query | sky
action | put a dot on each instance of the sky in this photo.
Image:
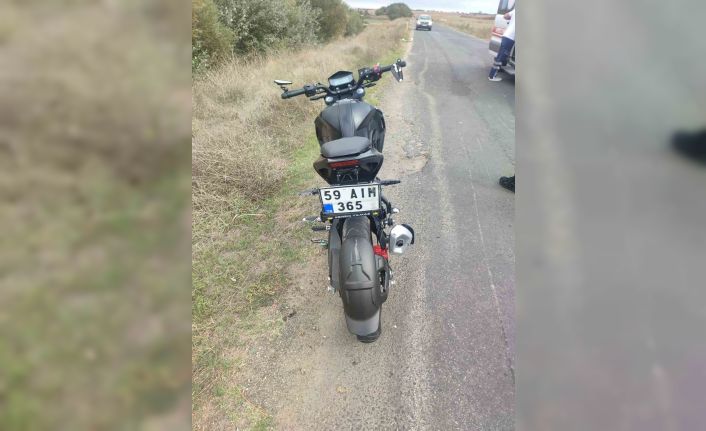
(487, 6)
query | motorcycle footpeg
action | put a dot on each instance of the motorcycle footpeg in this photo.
(309, 192)
(389, 182)
(321, 228)
(311, 219)
(322, 242)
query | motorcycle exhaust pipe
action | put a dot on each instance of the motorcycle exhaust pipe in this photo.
(401, 237)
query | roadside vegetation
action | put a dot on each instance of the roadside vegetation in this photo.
(251, 152)
(394, 11)
(478, 25)
(222, 29)
(94, 180)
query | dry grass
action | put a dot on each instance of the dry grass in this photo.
(94, 190)
(243, 131)
(251, 150)
(473, 24)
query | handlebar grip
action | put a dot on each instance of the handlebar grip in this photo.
(293, 93)
(399, 63)
(309, 192)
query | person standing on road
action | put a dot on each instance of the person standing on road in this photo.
(508, 41)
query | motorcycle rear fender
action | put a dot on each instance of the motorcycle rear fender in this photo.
(359, 278)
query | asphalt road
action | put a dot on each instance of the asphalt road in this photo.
(445, 357)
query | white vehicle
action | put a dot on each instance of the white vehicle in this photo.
(496, 35)
(424, 21)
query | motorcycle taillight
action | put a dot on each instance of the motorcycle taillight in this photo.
(344, 164)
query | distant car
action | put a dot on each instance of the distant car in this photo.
(496, 34)
(424, 21)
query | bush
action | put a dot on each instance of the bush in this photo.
(303, 25)
(355, 23)
(333, 18)
(242, 27)
(211, 40)
(398, 10)
(260, 25)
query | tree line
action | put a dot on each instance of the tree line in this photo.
(395, 10)
(222, 28)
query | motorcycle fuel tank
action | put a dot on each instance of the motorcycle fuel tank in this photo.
(351, 118)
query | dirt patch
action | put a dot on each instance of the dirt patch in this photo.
(280, 369)
(405, 152)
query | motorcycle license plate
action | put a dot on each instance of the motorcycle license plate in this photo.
(348, 200)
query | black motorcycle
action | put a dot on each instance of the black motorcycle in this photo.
(351, 135)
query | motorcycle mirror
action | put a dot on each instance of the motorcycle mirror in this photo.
(283, 84)
(397, 73)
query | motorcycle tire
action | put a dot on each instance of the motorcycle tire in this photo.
(375, 335)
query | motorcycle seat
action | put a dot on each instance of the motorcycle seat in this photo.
(351, 146)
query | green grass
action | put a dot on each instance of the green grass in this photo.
(217, 280)
(256, 221)
(94, 204)
(70, 318)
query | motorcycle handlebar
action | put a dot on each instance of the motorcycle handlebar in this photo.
(293, 93)
(316, 88)
(388, 68)
(399, 63)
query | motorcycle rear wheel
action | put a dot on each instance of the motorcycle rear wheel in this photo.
(375, 335)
